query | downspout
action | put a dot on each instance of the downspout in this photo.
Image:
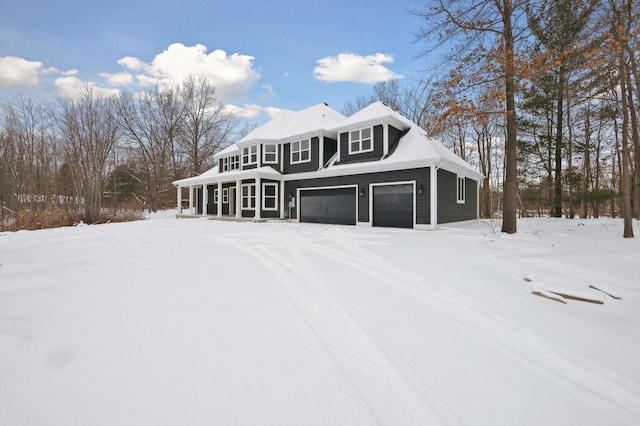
(433, 193)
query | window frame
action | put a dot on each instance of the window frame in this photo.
(225, 195)
(359, 141)
(300, 151)
(270, 197)
(274, 153)
(225, 164)
(248, 153)
(461, 186)
(250, 196)
(234, 162)
(215, 196)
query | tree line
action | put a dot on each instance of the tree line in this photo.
(90, 156)
(542, 95)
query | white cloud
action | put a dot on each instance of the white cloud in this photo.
(249, 111)
(71, 85)
(355, 68)
(15, 72)
(118, 79)
(232, 75)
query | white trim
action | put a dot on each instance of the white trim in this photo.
(404, 182)
(258, 211)
(215, 196)
(325, 187)
(225, 195)
(459, 199)
(264, 198)
(300, 151)
(385, 139)
(238, 200)
(433, 194)
(264, 153)
(360, 151)
(249, 155)
(219, 207)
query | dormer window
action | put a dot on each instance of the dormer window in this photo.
(301, 151)
(234, 162)
(270, 154)
(250, 155)
(360, 141)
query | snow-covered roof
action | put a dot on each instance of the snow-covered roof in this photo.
(213, 175)
(288, 124)
(375, 112)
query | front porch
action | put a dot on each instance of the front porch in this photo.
(251, 195)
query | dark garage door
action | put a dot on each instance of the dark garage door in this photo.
(393, 206)
(336, 206)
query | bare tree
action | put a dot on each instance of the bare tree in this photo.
(151, 122)
(474, 23)
(89, 129)
(205, 125)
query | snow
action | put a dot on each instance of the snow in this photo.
(165, 321)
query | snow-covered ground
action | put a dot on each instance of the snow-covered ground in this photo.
(199, 322)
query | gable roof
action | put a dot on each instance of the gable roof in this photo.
(375, 112)
(288, 124)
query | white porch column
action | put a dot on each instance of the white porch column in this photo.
(258, 198)
(219, 211)
(433, 193)
(282, 199)
(190, 199)
(205, 199)
(238, 199)
(179, 196)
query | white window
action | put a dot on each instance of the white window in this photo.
(249, 196)
(215, 196)
(269, 196)
(301, 151)
(225, 195)
(225, 164)
(270, 154)
(461, 190)
(250, 155)
(234, 162)
(360, 141)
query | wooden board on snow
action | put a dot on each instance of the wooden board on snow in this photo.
(548, 295)
(575, 295)
(605, 290)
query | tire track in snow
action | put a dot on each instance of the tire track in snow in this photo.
(387, 396)
(593, 376)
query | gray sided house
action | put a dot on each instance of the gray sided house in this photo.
(374, 168)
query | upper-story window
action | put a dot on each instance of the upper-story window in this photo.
(300, 151)
(234, 162)
(250, 155)
(360, 141)
(270, 154)
(230, 163)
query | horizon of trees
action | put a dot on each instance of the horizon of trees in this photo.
(93, 158)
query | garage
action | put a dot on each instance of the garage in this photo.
(393, 205)
(329, 205)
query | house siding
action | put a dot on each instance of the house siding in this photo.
(449, 210)
(394, 137)
(212, 207)
(376, 154)
(311, 166)
(330, 148)
(421, 176)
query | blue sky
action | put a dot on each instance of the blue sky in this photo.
(261, 55)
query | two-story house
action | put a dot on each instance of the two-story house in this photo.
(374, 168)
